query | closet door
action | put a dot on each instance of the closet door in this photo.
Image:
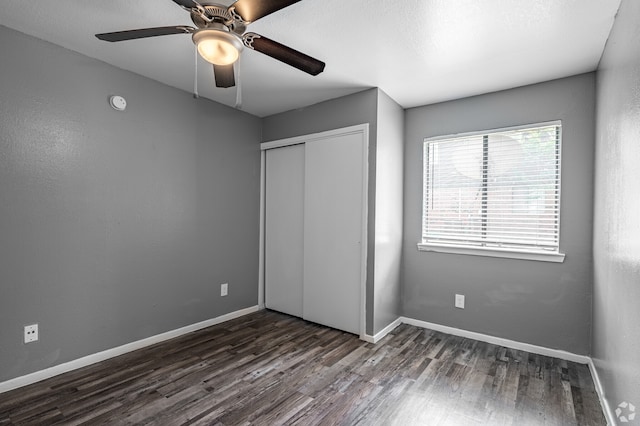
(333, 227)
(284, 202)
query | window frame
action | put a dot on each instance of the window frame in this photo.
(509, 252)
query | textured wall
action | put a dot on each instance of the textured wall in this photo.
(115, 226)
(541, 303)
(389, 205)
(616, 245)
(350, 110)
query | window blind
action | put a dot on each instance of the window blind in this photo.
(498, 189)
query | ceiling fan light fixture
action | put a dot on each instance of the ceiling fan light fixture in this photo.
(217, 46)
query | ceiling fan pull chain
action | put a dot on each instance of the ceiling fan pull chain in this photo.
(195, 77)
(238, 84)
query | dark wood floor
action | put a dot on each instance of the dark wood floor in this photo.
(268, 369)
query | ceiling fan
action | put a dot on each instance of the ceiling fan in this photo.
(220, 35)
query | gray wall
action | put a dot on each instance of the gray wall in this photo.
(540, 303)
(346, 111)
(616, 245)
(389, 211)
(115, 225)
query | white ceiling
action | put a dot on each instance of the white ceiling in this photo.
(417, 51)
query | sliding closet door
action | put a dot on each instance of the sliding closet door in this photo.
(333, 226)
(284, 236)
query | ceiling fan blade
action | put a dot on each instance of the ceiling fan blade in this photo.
(252, 10)
(224, 75)
(188, 4)
(283, 53)
(144, 32)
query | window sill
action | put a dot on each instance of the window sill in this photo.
(494, 252)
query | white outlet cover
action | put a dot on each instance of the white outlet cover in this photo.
(459, 302)
(224, 289)
(31, 333)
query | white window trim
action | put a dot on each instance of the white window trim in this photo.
(493, 252)
(507, 253)
(496, 130)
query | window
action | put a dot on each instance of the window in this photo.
(494, 193)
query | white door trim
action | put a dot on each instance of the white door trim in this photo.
(261, 270)
(359, 128)
(362, 129)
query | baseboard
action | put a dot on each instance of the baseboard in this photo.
(540, 350)
(606, 408)
(120, 350)
(129, 347)
(382, 333)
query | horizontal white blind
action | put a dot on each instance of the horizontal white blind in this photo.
(496, 190)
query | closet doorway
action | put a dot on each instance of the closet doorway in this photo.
(314, 227)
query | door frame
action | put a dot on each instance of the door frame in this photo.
(363, 130)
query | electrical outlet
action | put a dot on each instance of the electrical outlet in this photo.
(224, 289)
(31, 333)
(460, 301)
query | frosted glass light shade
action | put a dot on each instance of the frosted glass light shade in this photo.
(218, 47)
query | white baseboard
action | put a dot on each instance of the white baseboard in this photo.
(606, 408)
(120, 350)
(380, 335)
(540, 350)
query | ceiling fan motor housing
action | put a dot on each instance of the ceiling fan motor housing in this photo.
(210, 14)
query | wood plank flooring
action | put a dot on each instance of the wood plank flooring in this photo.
(271, 369)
